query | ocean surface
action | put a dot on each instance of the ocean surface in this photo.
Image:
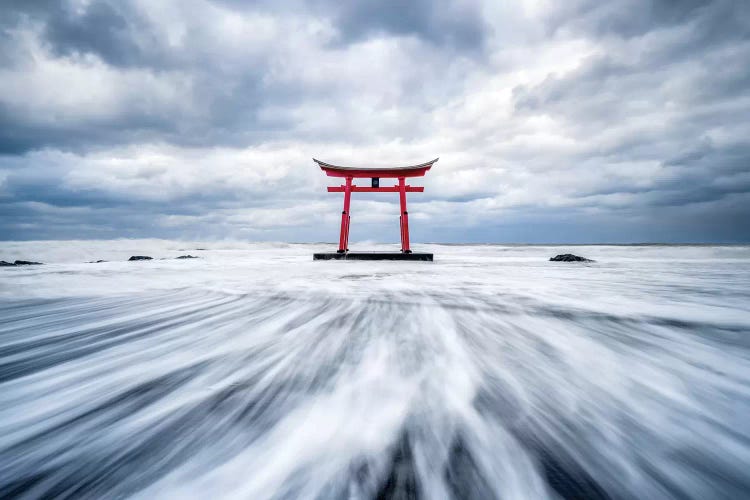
(254, 372)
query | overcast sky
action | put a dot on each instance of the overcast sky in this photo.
(555, 121)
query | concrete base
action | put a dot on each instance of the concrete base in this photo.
(372, 256)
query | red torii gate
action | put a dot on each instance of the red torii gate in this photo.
(375, 174)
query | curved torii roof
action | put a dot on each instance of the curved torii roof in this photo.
(410, 171)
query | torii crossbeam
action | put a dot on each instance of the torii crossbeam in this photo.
(375, 174)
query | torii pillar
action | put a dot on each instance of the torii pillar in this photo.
(374, 174)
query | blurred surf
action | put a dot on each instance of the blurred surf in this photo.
(490, 374)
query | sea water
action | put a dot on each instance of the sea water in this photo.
(254, 372)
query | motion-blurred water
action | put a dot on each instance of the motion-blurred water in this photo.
(255, 372)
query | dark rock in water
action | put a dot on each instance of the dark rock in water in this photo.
(187, 257)
(569, 257)
(98, 261)
(140, 257)
(19, 263)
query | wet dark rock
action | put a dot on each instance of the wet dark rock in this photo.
(6, 264)
(98, 261)
(140, 257)
(27, 263)
(569, 257)
(187, 257)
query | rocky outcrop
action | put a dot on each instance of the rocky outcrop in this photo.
(187, 257)
(569, 257)
(19, 263)
(140, 257)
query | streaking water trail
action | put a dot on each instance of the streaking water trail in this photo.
(491, 373)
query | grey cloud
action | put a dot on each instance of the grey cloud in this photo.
(457, 24)
(229, 96)
(49, 184)
(664, 105)
(112, 31)
(666, 91)
(632, 17)
(217, 108)
(20, 133)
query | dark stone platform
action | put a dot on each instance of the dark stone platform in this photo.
(372, 256)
